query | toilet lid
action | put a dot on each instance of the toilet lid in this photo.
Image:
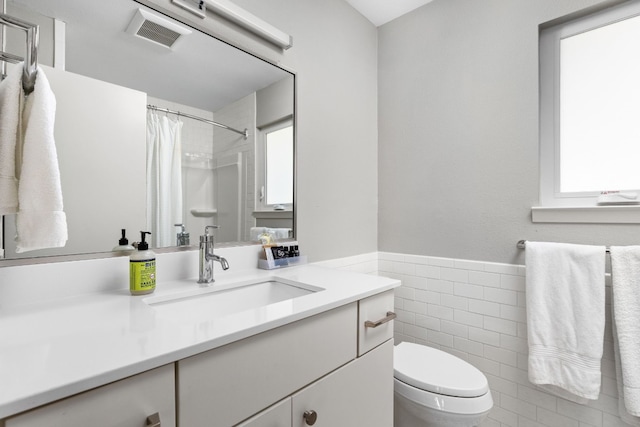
(433, 370)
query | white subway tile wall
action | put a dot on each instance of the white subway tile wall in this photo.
(477, 311)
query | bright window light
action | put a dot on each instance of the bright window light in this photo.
(279, 166)
(600, 109)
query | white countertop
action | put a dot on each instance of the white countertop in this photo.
(56, 348)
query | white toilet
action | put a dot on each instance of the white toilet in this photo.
(434, 388)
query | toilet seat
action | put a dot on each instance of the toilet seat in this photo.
(437, 372)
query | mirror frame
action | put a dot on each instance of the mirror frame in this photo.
(232, 41)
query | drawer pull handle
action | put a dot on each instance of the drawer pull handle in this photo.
(310, 417)
(153, 420)
(390, 316)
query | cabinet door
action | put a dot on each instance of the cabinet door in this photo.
(278, 415)
(358, 394)
(125, 403)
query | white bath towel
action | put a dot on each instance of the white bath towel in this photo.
(10, 107)
(565, 317)
(622, 409)
(40, 222)
(625, 285)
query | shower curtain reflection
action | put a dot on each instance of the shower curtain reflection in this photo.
(164, 178)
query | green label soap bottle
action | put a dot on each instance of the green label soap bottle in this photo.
(142, 268)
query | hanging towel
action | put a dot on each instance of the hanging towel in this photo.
(625, 285)
(565, 296)
(622, 409)
(10, 107)
(41, 222)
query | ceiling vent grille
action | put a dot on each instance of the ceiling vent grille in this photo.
(156, 29)
(157, 33)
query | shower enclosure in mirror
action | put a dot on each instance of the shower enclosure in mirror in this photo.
(156, 130)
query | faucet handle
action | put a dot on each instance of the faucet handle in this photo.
(208, 238)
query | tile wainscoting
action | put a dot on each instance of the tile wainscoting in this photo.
(476, 311)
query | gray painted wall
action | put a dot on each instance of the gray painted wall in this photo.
(274, 103)
(458, 132)
(421, 137)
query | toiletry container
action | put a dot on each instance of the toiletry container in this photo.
(433, 388)
(142, 268)
(123, 244)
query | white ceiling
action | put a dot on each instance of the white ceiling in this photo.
(382, 11)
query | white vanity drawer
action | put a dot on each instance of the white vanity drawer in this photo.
(124, 403)
(226, 385)
(375, 321)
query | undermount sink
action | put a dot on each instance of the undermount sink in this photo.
(220, 301)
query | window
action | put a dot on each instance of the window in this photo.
(590, 107)
(275, 166)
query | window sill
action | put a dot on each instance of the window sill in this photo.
(587, 214)
(287, 214)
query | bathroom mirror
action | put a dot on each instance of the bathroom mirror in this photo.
(113, 89)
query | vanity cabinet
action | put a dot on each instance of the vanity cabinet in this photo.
(135, 401)
(358, 393)
(343, 368)
(327, 370)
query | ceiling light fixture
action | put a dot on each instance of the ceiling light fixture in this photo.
(250, 22)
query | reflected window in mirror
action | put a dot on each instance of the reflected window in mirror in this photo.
(275, 159)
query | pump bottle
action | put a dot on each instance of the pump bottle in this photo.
(142, 268)
(123, 244)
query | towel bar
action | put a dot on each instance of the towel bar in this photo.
(522, 244)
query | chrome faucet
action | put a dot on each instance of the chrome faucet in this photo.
(182, 237)
(207, 257)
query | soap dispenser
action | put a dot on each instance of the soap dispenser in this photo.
(142, 268)
(123, 244)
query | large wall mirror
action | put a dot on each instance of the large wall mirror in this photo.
(127, 160)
